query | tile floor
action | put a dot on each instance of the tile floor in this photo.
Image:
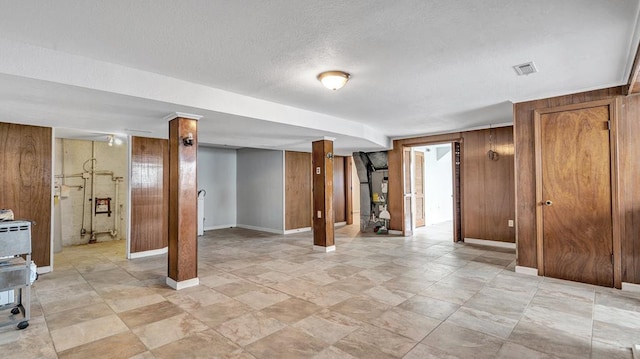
(271, 296)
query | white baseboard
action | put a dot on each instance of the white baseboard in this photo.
(486, 242)
(394, 232)
(324, 249)
(297, 230)
(149, 253)
(631, 287)
(183, 284)
(261, 229)
(42, 270)
(222, 226)
(527, 270)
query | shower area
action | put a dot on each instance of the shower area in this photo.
(90, 191)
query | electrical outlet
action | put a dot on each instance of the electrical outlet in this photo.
(319, 214)
(510, 224)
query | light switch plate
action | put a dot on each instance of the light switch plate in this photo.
(319, 214)
(510, 224)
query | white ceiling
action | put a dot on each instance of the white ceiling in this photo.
(249, 67)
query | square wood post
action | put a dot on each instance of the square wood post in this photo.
(183, 204)
(323, 230)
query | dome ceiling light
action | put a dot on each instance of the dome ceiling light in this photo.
(334, 80)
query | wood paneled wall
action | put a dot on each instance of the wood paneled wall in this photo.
(525, 166)
(297, 192)
(488, 186)
(25, 177)
(339, 190)
(629, 177)
(149, 193)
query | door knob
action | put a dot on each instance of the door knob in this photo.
(548, 203)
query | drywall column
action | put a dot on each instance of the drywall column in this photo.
(348, 188)
(322, 167)
(183, 201)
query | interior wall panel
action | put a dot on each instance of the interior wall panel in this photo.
(629, 173)
(297, 190)
(149, 193)
(25, 160)
(339, 190)
(488, 185)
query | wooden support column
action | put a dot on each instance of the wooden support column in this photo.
(322, 167)
(183, 193)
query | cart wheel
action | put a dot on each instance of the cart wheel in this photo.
(15, 311)
(23, 325)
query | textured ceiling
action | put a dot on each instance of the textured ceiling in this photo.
(418, 66)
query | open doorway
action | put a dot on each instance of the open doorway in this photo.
(433, 189)
(90, 195)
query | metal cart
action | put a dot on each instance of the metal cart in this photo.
(15, 242)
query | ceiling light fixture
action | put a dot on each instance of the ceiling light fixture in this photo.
(334, 80)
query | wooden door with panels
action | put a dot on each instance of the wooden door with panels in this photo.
(575, 192)
(418, 183)
(407, 229)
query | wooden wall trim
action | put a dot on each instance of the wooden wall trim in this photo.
(428, 140)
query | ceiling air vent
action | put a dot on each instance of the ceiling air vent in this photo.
(525, 69)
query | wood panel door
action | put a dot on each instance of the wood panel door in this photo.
(574, 195)
(418, 184)
(408, 192)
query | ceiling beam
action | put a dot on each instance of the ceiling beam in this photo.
(633, 86)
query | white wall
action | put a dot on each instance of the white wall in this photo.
(260, 189)
(438, 188)
(69, 159)
(217, 176)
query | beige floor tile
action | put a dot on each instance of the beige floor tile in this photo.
(434, 308)
(124, 345)
(168, 330)
(262, 298)
(333, 353)
(371, 342)
(192, 299)
(361, 308)
(250, 327)
(216, 314)
(409, 324)
(328, 326)
(291, 310)
(86, 332)
(483, 322)
(204, 344)
(77, 315)
(462, 342)
(287, 343)
(149, 314)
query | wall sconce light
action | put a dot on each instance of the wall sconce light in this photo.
(110, 140)
(329, 155)
(188, 139)
(334, 80)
